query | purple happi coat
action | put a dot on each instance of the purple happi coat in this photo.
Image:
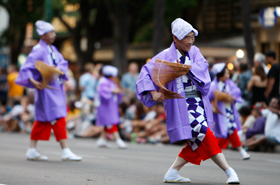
(178, 124)
(107, 103)
(50, 104)
(221, 126)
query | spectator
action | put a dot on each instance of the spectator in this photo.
(3, 90)
(15, 90)
(257, 85)
(272, 89)
(259, 60)
(244, 77)
(254, 124)
(70, 85)
(87, 82)
(272, 126)
(21, 117)
(129, 79)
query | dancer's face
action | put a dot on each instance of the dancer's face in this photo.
(186, 43)
(49, 37)
(226, 76)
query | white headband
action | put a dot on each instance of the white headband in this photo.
(43, 27)
(181, 28)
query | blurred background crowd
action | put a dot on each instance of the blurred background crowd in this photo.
(241, 33)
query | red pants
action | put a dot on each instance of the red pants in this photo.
(111, 129)
(207, 149)
(233, 139)
(42, 130)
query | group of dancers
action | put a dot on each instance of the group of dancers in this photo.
(190, 118)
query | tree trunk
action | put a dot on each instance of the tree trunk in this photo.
(119, 16)
(247, 32)
(158, 35)
(16, 45)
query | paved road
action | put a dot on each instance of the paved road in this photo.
(140, 164)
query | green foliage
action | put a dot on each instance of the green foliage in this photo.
(143, 22)
(175, 9)
(21, 12)
(144, 34)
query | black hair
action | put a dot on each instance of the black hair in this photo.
(271, 53)
(245, 111)
(101, 73)
(243, 67)
(222, 73)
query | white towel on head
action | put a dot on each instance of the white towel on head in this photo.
(180, 28)
(110, 71)
(217, 68)
(43, 27)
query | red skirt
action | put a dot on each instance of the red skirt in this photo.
(233, 139)
(207, 149)
(111, 129)
(42, 130)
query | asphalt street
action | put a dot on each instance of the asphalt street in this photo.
(140, 164)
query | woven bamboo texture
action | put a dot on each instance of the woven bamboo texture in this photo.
(164, 72)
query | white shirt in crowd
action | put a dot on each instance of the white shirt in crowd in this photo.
(272, 124)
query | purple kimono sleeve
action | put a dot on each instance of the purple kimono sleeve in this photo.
(28, 70)
(235, 92)
(63, 66)
(144, 85)
(199, 73)
(105, 91)
(120, 95)
(211, 91)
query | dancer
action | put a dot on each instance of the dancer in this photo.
(50, 104)
(107, 103)
(226, 117)
(189, 118)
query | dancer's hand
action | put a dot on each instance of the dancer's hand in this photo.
(36, 84)
(157, 96)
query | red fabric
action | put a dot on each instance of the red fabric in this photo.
(111, 129)
(233, 139)
(207, 149)
(163, 116)
(42, 130)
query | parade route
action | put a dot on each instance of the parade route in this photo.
(140, 164)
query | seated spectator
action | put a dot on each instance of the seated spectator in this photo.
(85, 126)
(272, 126)
(21, 117)
(155, 129)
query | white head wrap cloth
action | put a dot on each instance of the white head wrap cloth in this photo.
(110, 71)
(181, 28)
(217, 68)
(43, 27)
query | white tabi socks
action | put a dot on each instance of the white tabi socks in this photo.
(173, 176)
(244, 154)
(232, 176)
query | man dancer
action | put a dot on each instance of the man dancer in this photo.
(50, 104)
(191, 118)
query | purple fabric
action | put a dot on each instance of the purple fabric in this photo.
(178, 124)
(108, 110)
(221, 129)
(49, 104)
(257, 128)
